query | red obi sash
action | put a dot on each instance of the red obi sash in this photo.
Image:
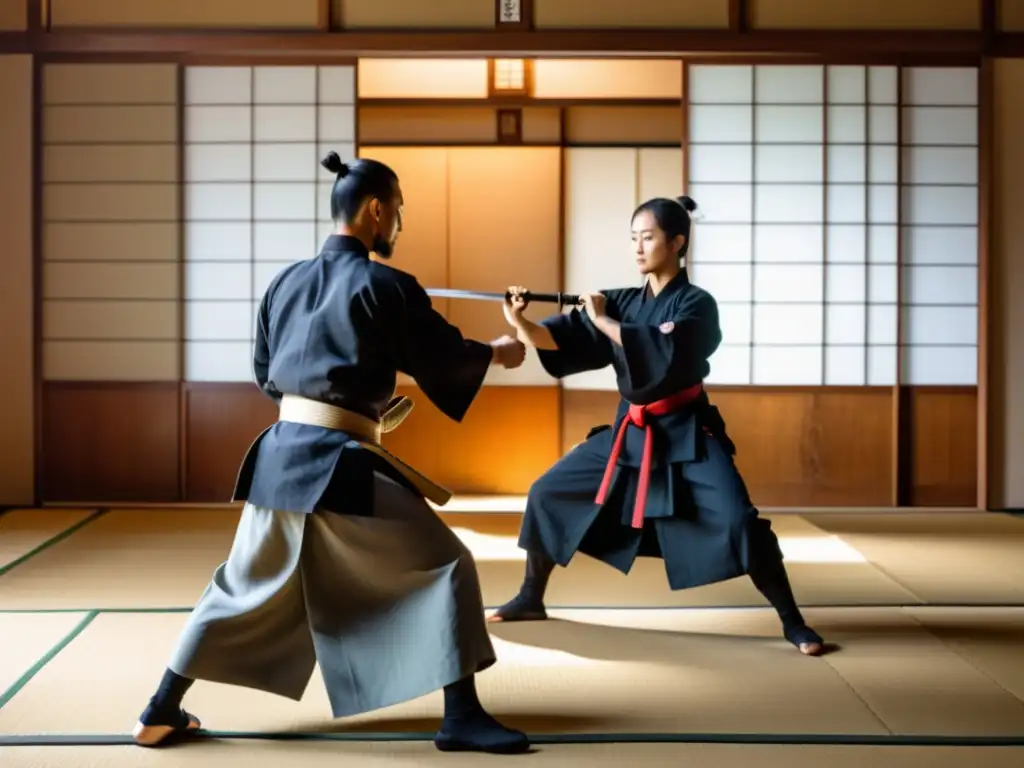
(638, 416)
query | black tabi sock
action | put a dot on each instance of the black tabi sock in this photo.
(772, 581)
(538, 570)
(461, 700)
(169, 693)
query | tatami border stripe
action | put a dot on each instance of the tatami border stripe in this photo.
(55, 539)
(795, 739)
(577, 608)
(34, 670)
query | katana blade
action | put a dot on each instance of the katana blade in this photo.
(562, 299)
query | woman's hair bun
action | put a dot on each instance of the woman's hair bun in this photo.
(332, 162)
(687, 202)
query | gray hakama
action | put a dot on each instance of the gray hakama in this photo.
(388, 604)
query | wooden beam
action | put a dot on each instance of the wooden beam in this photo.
(886, 46)
(739, 15)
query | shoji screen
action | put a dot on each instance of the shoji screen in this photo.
(110, 232)
(808, 177)
(256, 198)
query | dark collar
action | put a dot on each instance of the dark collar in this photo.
(678, 283)
(344, 244)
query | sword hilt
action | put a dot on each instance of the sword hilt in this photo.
(561, 299)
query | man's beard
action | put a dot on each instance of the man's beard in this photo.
(382, 247)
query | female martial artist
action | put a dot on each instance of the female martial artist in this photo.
(661, 482)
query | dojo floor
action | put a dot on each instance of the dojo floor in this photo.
(927, 609)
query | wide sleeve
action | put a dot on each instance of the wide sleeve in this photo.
(652, 351)
(446, 366)
(581, 346)
(261, 350)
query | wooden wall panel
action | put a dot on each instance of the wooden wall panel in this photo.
(110, 442)
(629, 126)
(17, 387)
(644, 14)
(1010, 15)
(507, 440)
(221, 421)
(864, 14)
(412, 14)
(13, 15)
(813, 447)
(607, 79)
(422, 79)
(428, 125)
(944, 446)
(1006, 311)
(235, 14)
(512, 195)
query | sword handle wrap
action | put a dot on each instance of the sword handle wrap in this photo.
(561, 299)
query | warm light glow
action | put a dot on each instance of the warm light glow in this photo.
(484, 504)
(537, 656)
(489, 547)
(819, 549)
(509, 75)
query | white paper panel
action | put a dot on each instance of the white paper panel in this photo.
(600, 195)
(218, 85)
(285, 162)
(883, 164)
(716, 124)
(285, 202)
(726, 282)
(940, 245)
(210, 281)
(940, 285)
(218, 124)
(788, 243)
(801, 283)
(337, 85)
(285, 241)
(845, 366)
(883, 85)
(935, 86)
(931, 366)
(882, 324)
(789, 163)
(789, 124)
(285, 85)
(788, 324)
(218, 321)
(846, 204)
(735, 322)
(940, 325)
(721, 163)
(845, 324)
(846, 243)
(780, 84)
(846, 283)
(940, 205)
(218, 361)
(218, 241)
(883, 204)
(942, 126)
(724, 203)
(292, 123)
(218, 202)
(940, 165)
(218, 162)
(847, 125)
(788, 365)
(883, 125)
(659, 173)
(882, 366)
(847, 85)
(720, 84)
(720, 242)
(847, 164)
(730, 365)
(883, 244)
(789, 203)
(882, 284)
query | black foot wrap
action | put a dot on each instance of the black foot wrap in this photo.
(801, 635)
(522, 608)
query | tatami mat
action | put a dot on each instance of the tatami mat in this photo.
(967, 558)
(23, 530)
(596, 672)
(164, 558)
(25, 638)
(263, 754)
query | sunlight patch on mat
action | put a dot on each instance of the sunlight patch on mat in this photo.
(797, 549)
(483, 504)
